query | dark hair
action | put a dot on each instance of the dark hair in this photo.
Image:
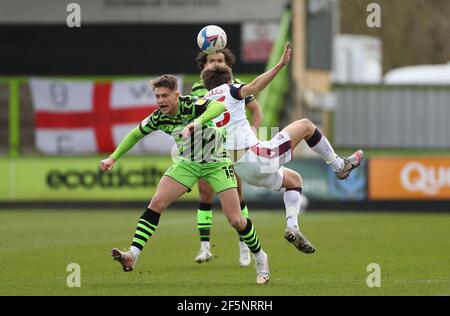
(166, 81)
(215, 76)
(202, 58)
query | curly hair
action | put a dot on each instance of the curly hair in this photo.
(215, 76)
(202, 58)
(166, 81)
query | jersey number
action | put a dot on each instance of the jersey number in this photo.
(226, 119)
(229, 172)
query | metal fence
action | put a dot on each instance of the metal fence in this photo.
(381, 116)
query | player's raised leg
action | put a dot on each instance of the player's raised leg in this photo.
(167, 192)
(305, 129)
(204, 220)
(257, 169)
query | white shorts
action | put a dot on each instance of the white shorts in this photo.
(262, 164)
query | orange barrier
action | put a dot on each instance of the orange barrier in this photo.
(409, 178)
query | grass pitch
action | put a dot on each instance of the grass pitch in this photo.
(413, 251)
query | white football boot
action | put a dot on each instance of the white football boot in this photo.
(294, 236)
(204, 255)
(350, 163)
(125, 258)
(262, 268)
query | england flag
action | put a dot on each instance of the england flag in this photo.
(87, 117)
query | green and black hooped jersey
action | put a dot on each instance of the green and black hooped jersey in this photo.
(199, 90)
(205, 145)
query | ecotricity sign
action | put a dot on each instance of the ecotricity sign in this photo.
(147, 176)
(134, 178)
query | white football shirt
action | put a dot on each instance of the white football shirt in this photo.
(239, 132)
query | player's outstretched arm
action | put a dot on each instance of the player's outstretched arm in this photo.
(125, 145)
(214, 109)
(256, 112)
(260, 82)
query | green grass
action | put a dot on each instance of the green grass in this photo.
(36, 247)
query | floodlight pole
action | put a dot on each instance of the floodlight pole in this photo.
(298, 73)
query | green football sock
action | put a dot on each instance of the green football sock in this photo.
(244, 211)
(145, 228)
(250, 237)
(204, 221)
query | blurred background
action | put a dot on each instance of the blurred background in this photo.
(371, 74)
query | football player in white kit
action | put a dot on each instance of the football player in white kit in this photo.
(260, 163)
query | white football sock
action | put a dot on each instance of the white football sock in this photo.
(292, 202)
(205, 245)
(135, 251)
(259, 256)
(323, 149)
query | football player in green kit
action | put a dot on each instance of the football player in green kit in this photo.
(209, 163)
(206, 198)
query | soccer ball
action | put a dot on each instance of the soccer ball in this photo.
(211, 38)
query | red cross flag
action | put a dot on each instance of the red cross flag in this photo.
(83, 117)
